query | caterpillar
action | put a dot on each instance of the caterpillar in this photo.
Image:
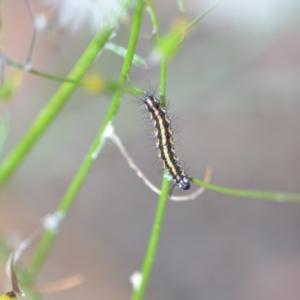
(165, 142)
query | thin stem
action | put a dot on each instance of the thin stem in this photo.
(16, 64)
(31, 48)
(163, 81)
(200, 17)
(30, 11)
(69, 197)
(109, 84)
(154, 21)
(163, 63)
(277, 196)
(138, 293)
(34, 34)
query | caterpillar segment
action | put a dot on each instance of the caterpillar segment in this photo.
(165, 142)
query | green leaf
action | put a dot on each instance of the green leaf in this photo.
(137, 60)
(169, 44)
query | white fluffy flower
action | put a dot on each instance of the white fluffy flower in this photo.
(78, 13)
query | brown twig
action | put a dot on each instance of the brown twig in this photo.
(117, 141)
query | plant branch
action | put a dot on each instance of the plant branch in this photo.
(50, 111)
(73, 189)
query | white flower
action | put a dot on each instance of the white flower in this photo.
(78, 13)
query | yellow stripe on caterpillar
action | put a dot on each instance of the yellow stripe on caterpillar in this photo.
(165, 142)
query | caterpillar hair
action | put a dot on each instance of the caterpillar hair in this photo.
(165, 142)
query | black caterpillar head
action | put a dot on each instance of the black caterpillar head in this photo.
(184, 183)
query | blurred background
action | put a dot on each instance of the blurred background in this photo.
(234, 87)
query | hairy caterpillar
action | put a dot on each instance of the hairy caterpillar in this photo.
(165, 141)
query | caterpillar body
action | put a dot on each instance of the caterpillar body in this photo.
(165, 141)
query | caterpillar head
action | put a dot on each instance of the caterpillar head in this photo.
(184, 183)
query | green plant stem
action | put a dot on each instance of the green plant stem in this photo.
(163, 63)
(163, 81)
(69, 197)
(160, 213)
(138, 293)
(20, 66)
(17, 155)
(153, 17)
(201, 16)
(277, 196)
